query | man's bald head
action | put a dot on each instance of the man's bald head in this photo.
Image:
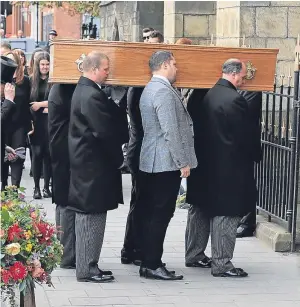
(234, 70)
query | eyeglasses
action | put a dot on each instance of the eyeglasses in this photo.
(146, 37)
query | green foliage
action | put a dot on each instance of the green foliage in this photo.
(80, 7)
(30, 249)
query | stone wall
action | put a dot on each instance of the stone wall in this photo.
(125, 20)
(265, 24)
(195, 20)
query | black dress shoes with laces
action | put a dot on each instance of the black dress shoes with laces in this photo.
(143, 270)
(204, 263)
(97, 279)
(106, 272)
(37, 193)
(47, 193)
(235, 272)
(160, 273)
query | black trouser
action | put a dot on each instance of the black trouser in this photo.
(16, 173)
(132, 241)
(40, 154)
(157, 195)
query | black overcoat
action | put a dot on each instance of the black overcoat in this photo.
(254, 100)
(59, 105)
(136, 129)
(223, 183)
(95, 150)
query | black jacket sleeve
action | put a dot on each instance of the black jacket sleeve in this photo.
(102, 121)
(6, 109)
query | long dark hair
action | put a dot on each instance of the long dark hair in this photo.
(36, 75)
(31, 63)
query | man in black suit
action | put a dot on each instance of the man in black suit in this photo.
(95, 158)
(8, 68)
(59, 105)
(131, 251)
(223, 185)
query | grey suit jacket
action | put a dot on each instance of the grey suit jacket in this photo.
(168, 143)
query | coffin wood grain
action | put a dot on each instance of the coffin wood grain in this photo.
(198, 66)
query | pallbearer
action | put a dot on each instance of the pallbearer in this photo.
(95, 158)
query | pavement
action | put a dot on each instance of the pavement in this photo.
(274, 278)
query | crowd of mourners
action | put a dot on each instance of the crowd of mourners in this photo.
(74, 134)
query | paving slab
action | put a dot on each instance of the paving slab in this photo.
(274, 278)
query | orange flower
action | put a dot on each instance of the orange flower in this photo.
(37, 272)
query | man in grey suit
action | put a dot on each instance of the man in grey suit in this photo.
(167, 155)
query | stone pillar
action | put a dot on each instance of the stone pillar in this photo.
(195, 20)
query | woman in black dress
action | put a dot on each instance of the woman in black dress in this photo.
(39, 139)
(19, 123)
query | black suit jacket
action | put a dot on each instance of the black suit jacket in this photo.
(136, 129)
(59, 105)
(95, 150)
(223, 184)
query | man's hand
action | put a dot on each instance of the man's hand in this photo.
(35, 106)
(9, 91)
(185, 172)
(11, 154)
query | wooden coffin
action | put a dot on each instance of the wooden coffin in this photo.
(198, 66)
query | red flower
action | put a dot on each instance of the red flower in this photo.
(14, 232)
(46, 231)
(18, 271)
(5, 276)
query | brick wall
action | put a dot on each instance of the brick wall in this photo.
(66, 25)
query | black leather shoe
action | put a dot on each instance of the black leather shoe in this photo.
(37, 193)
(109, 273)
(160, 273)
(244, 231)
(235, 272)
(97, 279)
(204, 263)
(143, 270)
(47, 193)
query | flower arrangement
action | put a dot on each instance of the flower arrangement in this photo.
(30, 249)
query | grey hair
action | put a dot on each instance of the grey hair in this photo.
(93, 60)
(232, 66)
(158, 58)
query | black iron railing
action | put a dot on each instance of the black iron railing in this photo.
(278, 173)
